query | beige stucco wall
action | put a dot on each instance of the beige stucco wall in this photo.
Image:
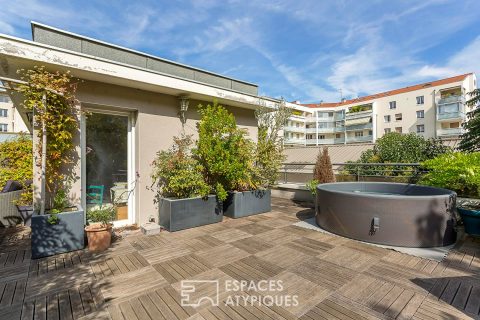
(157, 123)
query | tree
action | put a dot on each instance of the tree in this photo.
(269, 151)
(224, 151)
(323, 171)
(471, 138)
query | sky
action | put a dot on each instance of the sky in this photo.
(305, 50)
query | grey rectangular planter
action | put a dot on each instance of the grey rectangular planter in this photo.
(68, 235)
(247, 203)
(179, 214)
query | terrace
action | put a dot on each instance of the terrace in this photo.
(333, 277)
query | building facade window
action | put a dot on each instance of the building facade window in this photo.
(359, 134)
(3, 127)
(398, 117)
(387, 130)
(321, 136)
(420, 114)
(4, 113)
(4, 98)
(338, 135)
(420, 128)
(393, 105)
(398, 129)
(386, 119)
(420, 100)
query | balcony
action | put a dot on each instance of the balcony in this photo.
(326, 119)
(444, 132)
(339, 140)
(293, 141)
(367, 138)
(326, 129)
(339, 116)
(451, 99)
(294, 129)
(358, 115)
(311, 130)
(320, 141)
(455, 115)
(359, 127)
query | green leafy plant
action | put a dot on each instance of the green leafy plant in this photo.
(51, 97)
(312, 186)
(269, 149)
(395, 147)
(104, 216)
(223, 151)
(456, 171)
(323, 171)
(176, 174)
(16, 163)
(471, 138)
(355, 109)
(53, 218)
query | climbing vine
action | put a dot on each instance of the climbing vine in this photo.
(51, 98)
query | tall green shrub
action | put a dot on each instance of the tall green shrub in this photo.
(16, 160)
(471, 138)
(269, 149)
(456, 171)
(224, 151)
(176, 174)
(323, 171)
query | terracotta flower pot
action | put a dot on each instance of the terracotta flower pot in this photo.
(99, 237)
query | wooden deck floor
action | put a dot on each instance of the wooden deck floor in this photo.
(332, 277)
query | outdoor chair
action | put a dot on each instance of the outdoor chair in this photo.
(95, 194)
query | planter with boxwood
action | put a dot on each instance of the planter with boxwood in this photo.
(181, 193)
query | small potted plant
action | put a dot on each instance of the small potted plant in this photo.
(99, 229)
(180, 190)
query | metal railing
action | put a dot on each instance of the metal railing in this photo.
(450, 115)
(450, 132)
(387, 172)
(451, 99)
(365, 138)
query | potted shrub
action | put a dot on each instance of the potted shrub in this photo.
(57, 225)
(181, 192)
(99, 229)
(227, 158)
(470, 215)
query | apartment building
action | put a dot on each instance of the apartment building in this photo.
(10, 119)
(434, 109)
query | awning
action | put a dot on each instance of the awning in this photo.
(353, 122)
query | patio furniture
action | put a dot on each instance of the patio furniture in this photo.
(95, 194)
(9, 215)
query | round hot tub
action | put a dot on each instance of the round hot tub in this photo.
(396, 214)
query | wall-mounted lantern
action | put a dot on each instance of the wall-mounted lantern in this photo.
(183, 108)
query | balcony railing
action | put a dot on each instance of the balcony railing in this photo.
(450, 132)
(359, 127)
(451, 99)
(326, 129)
(357, 115)
(311, 130)
(320, 141)
(293, 141)
(326, 119)
(367, 138)
(450, 115)
(339, 140)
(294, 129)
(339, 116)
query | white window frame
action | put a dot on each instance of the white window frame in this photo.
(3, 127)
(392, 105)
(387, 119)
(422, 113)
(3, 113)
(421, 99)
(420, 126)
(358, 134)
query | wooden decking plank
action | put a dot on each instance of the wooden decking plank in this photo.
(230, 312)
(219, 314)
(162, 306)
(411, 307)
(40, 308)
(150, 307)
(8, 293)
(450, 291)
(127, 311)
(52, 307)
(97, 271)
(383, 305)
(28, 310)
(139, 310)
(115, 312)
(19, 291)
(11, 258)
(128, 263)
(105, 269)
(399, 304)
(87, 300)
(379, 294)
(3, 259)
(76, 301)
(174, 299)
(473, 304)
(141, 259)
(112, 266)
(461, 298)
(121, 266)
(65, 308)
(165, 273)
(134, 260)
